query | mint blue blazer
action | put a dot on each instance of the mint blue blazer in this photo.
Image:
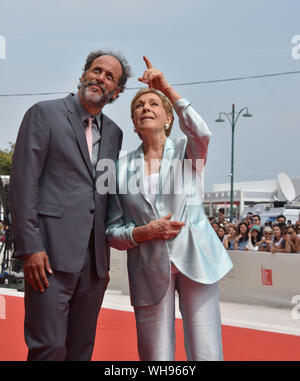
(196, 251)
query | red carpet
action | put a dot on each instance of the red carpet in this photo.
(116, 338)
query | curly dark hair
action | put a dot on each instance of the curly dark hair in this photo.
(126, 70)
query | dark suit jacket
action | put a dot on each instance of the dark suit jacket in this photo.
(54, 203)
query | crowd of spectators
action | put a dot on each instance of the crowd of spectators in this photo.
(249, 234)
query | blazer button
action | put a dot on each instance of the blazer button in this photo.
(92, 211)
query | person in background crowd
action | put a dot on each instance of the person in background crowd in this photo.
(221, 232)
(241, 240)
(268, 223)
(215, 226)
(211, 219)
(277, 238)
(225, 224)
(281, 219)
(257, 222)
(297, 222)
(248, 218)
(229, 238)
(221, 215)
(266, 244)
(297, 228)
(294, 240)
(285, 246)
(254, 237)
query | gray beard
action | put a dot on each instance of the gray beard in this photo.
(94, 99)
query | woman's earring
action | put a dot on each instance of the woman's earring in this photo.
(167, 126)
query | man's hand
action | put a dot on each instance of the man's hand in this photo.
(34, 270)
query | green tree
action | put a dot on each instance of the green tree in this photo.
(6, 158)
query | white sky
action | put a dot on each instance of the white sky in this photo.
(47, 43)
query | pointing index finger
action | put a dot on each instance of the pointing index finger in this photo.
(148, 63)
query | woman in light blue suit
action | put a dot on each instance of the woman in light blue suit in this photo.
(156, 214)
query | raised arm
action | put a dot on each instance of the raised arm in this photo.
(191, 123)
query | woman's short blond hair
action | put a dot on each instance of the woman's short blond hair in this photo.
(167, 105)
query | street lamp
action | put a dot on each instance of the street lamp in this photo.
(233, 117)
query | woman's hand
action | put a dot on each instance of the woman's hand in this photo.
(162, 228)
(155, 79)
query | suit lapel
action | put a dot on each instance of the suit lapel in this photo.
(107, 145)
(75, 121)
(106, 142)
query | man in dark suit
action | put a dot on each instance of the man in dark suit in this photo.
(58, 217)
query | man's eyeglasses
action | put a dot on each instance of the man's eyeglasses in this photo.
(267, 233)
